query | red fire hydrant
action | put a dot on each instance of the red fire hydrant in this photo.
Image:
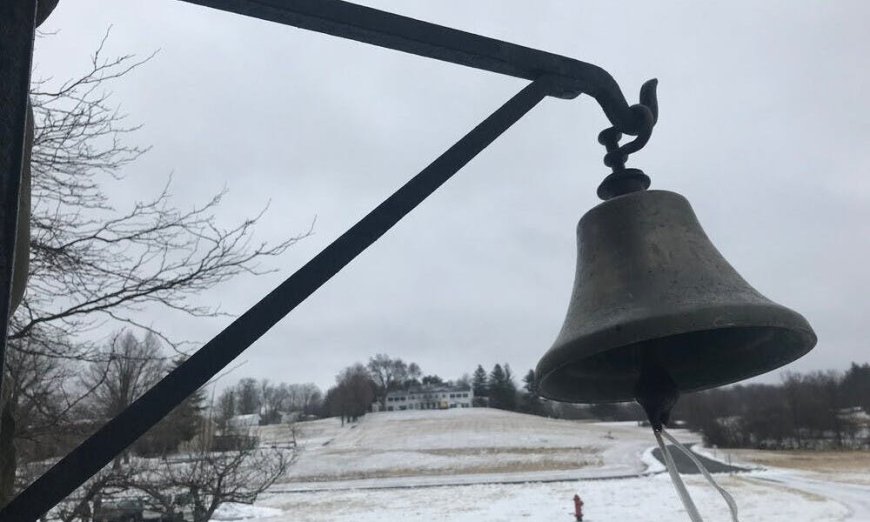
(578, 507)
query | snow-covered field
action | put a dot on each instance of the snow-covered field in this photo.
(484, 443)
(649, 498)
(490, 465)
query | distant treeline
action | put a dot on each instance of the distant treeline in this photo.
(817, 410)
(268, 400)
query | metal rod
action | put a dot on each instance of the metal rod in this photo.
(99, 449)
(17, 28)
(365, 24)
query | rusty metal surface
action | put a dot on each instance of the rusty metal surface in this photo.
(650, 286)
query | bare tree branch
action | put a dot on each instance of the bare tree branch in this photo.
(94, 267)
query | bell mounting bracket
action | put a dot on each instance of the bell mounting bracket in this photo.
(622, 180)
(550, 75)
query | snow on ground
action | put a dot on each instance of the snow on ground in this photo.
(855, 498)
(481, 442)
(234, 511)
(490, 465)
(841, 476)
(646, 498)
(653, 465)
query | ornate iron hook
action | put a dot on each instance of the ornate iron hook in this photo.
(622, 180)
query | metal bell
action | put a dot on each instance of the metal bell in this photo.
(650, 286)
(44, 9)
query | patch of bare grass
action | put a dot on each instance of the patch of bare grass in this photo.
(461, 452)
(818, 461)
(538, 465)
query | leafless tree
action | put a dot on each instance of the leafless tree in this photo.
(210, 479)
(389, 374)
(304, 398)
(248, 398)
(126, 369)
(131, 367)
(353, 394)
(194, 484)
(93, 265)
(91, 262)
(806, 411)
(226, 407)
(271, 400)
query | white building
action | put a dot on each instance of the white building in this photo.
(243, 422)
(430, 398)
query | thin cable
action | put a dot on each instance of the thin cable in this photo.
(677, 481)
(732, 505)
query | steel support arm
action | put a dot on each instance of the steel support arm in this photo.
(364, 24)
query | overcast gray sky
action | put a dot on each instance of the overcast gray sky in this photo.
(764, 126)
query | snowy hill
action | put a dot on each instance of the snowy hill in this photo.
(471, 445)
(488, 465)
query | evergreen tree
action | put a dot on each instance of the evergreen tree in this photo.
(226, 407)
(479, 386)
(530, 383)
(432, 380)
(247, 397)
(496, 377)
(509, 389)
(531, 401)
(502, 390)
(181, 425)
(479, 382)
(856, 386)
(509, 378)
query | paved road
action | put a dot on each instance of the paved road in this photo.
(686, 466)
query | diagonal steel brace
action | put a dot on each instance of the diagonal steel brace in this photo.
(101, 447)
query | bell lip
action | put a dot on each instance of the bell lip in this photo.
(657, 327)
